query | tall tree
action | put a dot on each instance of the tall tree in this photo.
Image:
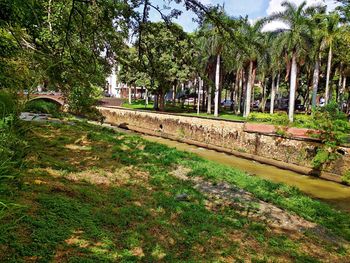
(166, 51)
(213, 41)
(318, 45)
(295, 39)
(252, 38)
(331, 32)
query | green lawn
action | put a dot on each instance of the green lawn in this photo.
(90, 194)
(279, 118)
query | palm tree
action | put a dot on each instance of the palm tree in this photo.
(315, 54)
(252, 39)
(295, 40)
(275, 51)
(332, 30)
(213, 43)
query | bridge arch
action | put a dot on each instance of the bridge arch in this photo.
(55, 99)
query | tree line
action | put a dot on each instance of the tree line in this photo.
(306, 61)
(72, 46)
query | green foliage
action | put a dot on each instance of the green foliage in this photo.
(333, 129)
(43, 106)
(281, 131)
(82, 101)
(332, 123)
(8, 104)
(277, 119)
(161, 59)
(12, 146)
(346, 178)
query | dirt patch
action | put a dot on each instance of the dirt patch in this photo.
(181, 172)
(75, 147)
(138, 252)
(124, 175)
(246, 204)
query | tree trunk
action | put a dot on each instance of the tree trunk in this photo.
(342, 90)
(161, 101)
(174, 94)
(315, 81)
(217, 86)
(203, 96)
(235, 88)
(146, 97)
(233, 95)
(200, 87)
(329, 64)
(273, 95)
(278, 85)
(155, 103)
(252, 82)
(248, 91)
(293, 84)
(49, 16)
(240, 92)
(263, 99)
(130, 100)
(209, 99)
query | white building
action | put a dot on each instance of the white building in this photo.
(113, 87)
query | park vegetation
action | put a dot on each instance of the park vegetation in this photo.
(60, 197)
(95, 194)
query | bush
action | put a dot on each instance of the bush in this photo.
(43, 106)
(8, 104)
(82, 101)
(277, 118)
(334, 129)
(346, 178)
(12, 146)
(303, 120)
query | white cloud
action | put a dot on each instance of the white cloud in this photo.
(275, 6)
(206, 2)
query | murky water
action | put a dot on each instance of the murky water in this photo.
(330, 192)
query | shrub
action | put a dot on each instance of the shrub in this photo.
(346, 178)
(8, 104)
(82, 101)
(334, 128)
(277, 118)
(12, 146)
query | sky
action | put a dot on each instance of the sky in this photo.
(254, 9)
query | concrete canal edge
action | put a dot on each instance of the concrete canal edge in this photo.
(231, 137)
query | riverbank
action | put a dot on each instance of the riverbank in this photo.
(90, 193)
(295, 150)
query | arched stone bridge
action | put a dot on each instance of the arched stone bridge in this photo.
(55, 97)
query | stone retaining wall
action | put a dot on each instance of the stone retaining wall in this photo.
(233, 136)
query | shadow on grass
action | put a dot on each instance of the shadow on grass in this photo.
(89, 194)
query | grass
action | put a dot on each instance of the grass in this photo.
(279, 118)
(111, 198)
